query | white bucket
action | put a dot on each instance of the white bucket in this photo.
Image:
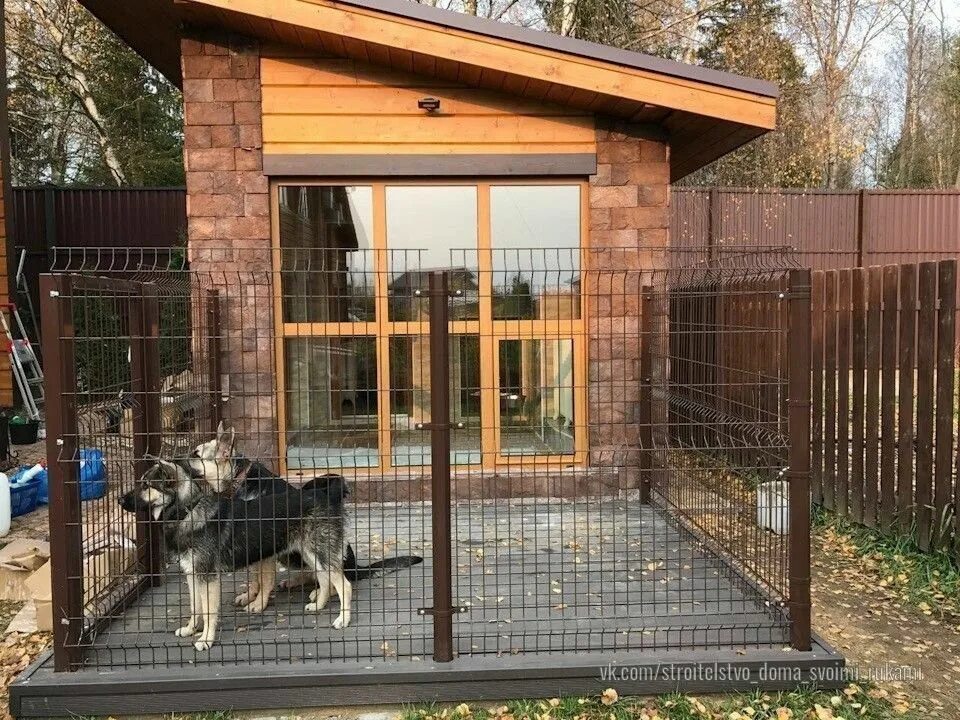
(773, 506)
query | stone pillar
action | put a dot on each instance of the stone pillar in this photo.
(629, 221)
(228, 214)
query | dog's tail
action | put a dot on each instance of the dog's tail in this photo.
(354, 572)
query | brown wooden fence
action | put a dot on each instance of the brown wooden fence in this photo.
(884, 397)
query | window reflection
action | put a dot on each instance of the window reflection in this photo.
(535, 239)
(431, 228)
(536, 397)
(410, 398)
(331, 393)
(326, 241)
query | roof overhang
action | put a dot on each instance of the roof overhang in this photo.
(706, 113)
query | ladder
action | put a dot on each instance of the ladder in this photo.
(23, 361)
(24, 291)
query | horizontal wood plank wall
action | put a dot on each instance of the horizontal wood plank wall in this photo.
(337, 106)
(885, 407)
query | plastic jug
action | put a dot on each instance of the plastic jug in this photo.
(4, 505)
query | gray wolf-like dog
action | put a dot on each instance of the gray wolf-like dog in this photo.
(218, 463)
(209, 535)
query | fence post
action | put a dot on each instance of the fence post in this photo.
(213, 358)
(439, 426)
(66, 539)
(645, 410)
(798, 393)
(147, 421)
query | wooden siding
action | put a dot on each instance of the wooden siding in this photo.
(328, 105)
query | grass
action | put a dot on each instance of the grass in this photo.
(854, 701)
(929, 581)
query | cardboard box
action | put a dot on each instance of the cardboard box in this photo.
(99, 571)
(18, 561)
(38, 586)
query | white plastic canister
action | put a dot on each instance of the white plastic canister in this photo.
(773, 506)
(4, 504)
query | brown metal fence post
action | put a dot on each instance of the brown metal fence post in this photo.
(645, 409)
(66, 540)
(147, 421)
(213, 358)
(439, 426)
(798, 392)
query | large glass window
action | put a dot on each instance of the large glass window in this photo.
(535, 242)
(410, 399)
(331, 398)
(535, 387)
(326, 243)
(356, 353)
(431, 228)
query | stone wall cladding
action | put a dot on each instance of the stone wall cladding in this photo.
(228, 215)
(629, 220)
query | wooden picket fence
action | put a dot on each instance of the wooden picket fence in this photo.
(884, 397)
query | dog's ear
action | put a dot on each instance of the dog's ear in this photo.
(155, 473)
(221, 429)
(225, 442)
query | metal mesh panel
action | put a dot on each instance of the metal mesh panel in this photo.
(608, 428)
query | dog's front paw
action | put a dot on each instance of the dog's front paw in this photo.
(244, 599)
(203, 645)
(186, 631)
(312, 607)
(343, 619)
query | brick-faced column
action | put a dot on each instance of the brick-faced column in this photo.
(228, 215)
(629, 227)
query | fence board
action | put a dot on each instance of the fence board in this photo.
(843, 391)
(830, 390)
(905, 400)
(858, 361)
(926, 350)
(871, 434)
(946, 372)
(883, 397)
(816, 386)
(888, 397)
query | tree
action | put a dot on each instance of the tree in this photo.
(743, 38)
(836, 36)
(83, 107)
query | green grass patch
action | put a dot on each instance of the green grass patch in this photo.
(929, 581)
(854, 701)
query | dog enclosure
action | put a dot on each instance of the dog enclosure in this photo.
(599, 461)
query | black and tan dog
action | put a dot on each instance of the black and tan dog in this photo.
(209, 534)
(228, 472)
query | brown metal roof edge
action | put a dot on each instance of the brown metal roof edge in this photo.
(571, 46)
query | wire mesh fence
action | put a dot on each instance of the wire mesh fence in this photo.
(598, 436)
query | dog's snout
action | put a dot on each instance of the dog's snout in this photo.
(195, 454)
(129, 501)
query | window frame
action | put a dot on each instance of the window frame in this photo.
(490, 331)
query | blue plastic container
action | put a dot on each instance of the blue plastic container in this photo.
(24, 497)
(93, 476)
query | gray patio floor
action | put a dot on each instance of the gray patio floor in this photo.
(533, 575)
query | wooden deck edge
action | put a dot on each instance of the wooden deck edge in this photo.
(41, 693)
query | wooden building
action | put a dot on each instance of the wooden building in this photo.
(338, 142)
